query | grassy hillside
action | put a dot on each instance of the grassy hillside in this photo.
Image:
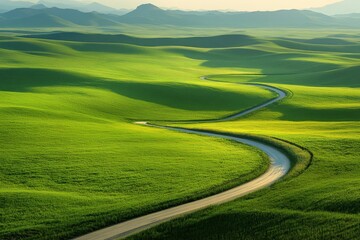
(322, 115)
(71, 154)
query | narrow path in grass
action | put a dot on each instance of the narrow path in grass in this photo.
(279, 167)
(280, 95)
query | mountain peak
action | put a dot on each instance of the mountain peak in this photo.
(340, 7)
(38, 6)
(148, 7)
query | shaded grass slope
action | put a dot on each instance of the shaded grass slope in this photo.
(201, 42)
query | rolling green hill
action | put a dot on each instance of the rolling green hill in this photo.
(82, 97)
(72, 161)
(322, 115)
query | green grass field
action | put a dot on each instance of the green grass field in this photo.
(72, 161)
(71, 154)
(321, 114)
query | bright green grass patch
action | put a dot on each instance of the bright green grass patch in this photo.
(70, 151)
(317, 104)
(320, 203)
(55, 91)
(93, 174)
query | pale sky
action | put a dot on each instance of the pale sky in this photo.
(239, 5)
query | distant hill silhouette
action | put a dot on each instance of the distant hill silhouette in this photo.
(151, 14)
(342, 7)
(52, 17)
(38, 6)
(202, 42)
(8, 5)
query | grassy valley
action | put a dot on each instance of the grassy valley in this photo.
(73, 161)
(322, 115)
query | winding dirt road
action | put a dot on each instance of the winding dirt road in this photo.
(280, 165)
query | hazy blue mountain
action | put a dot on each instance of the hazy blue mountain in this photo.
(84, 7)
(38, 6)
(39, 20)
(150, 14)
(352, 19)
(61, 4)
(342, 7)
(97, 7)
(53, 17)
(7, 5)
(350, 15)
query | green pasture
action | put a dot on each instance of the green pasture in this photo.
(72, 160)
(321, 203)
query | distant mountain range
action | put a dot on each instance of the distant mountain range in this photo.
(53, 17)
(342, 7)
(40, 15)
(8, 5)
(84, 7)
(150, 14)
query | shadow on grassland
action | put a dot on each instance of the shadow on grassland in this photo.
(268, 62)
(340, 77)
(174, 95)
(179, 96)
(200, 42)
(288, 67)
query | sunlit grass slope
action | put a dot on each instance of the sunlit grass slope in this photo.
(322, 114)
(92, 173)
(72, 161)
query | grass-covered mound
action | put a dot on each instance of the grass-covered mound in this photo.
(72, 161)
(321, 203)
(71, 158)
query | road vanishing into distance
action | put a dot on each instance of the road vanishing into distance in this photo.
(279, 167)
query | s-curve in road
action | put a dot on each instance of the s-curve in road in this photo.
(280, 95)
(280, 165)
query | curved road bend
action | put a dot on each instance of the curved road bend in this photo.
(280, 95)
(280, 165)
